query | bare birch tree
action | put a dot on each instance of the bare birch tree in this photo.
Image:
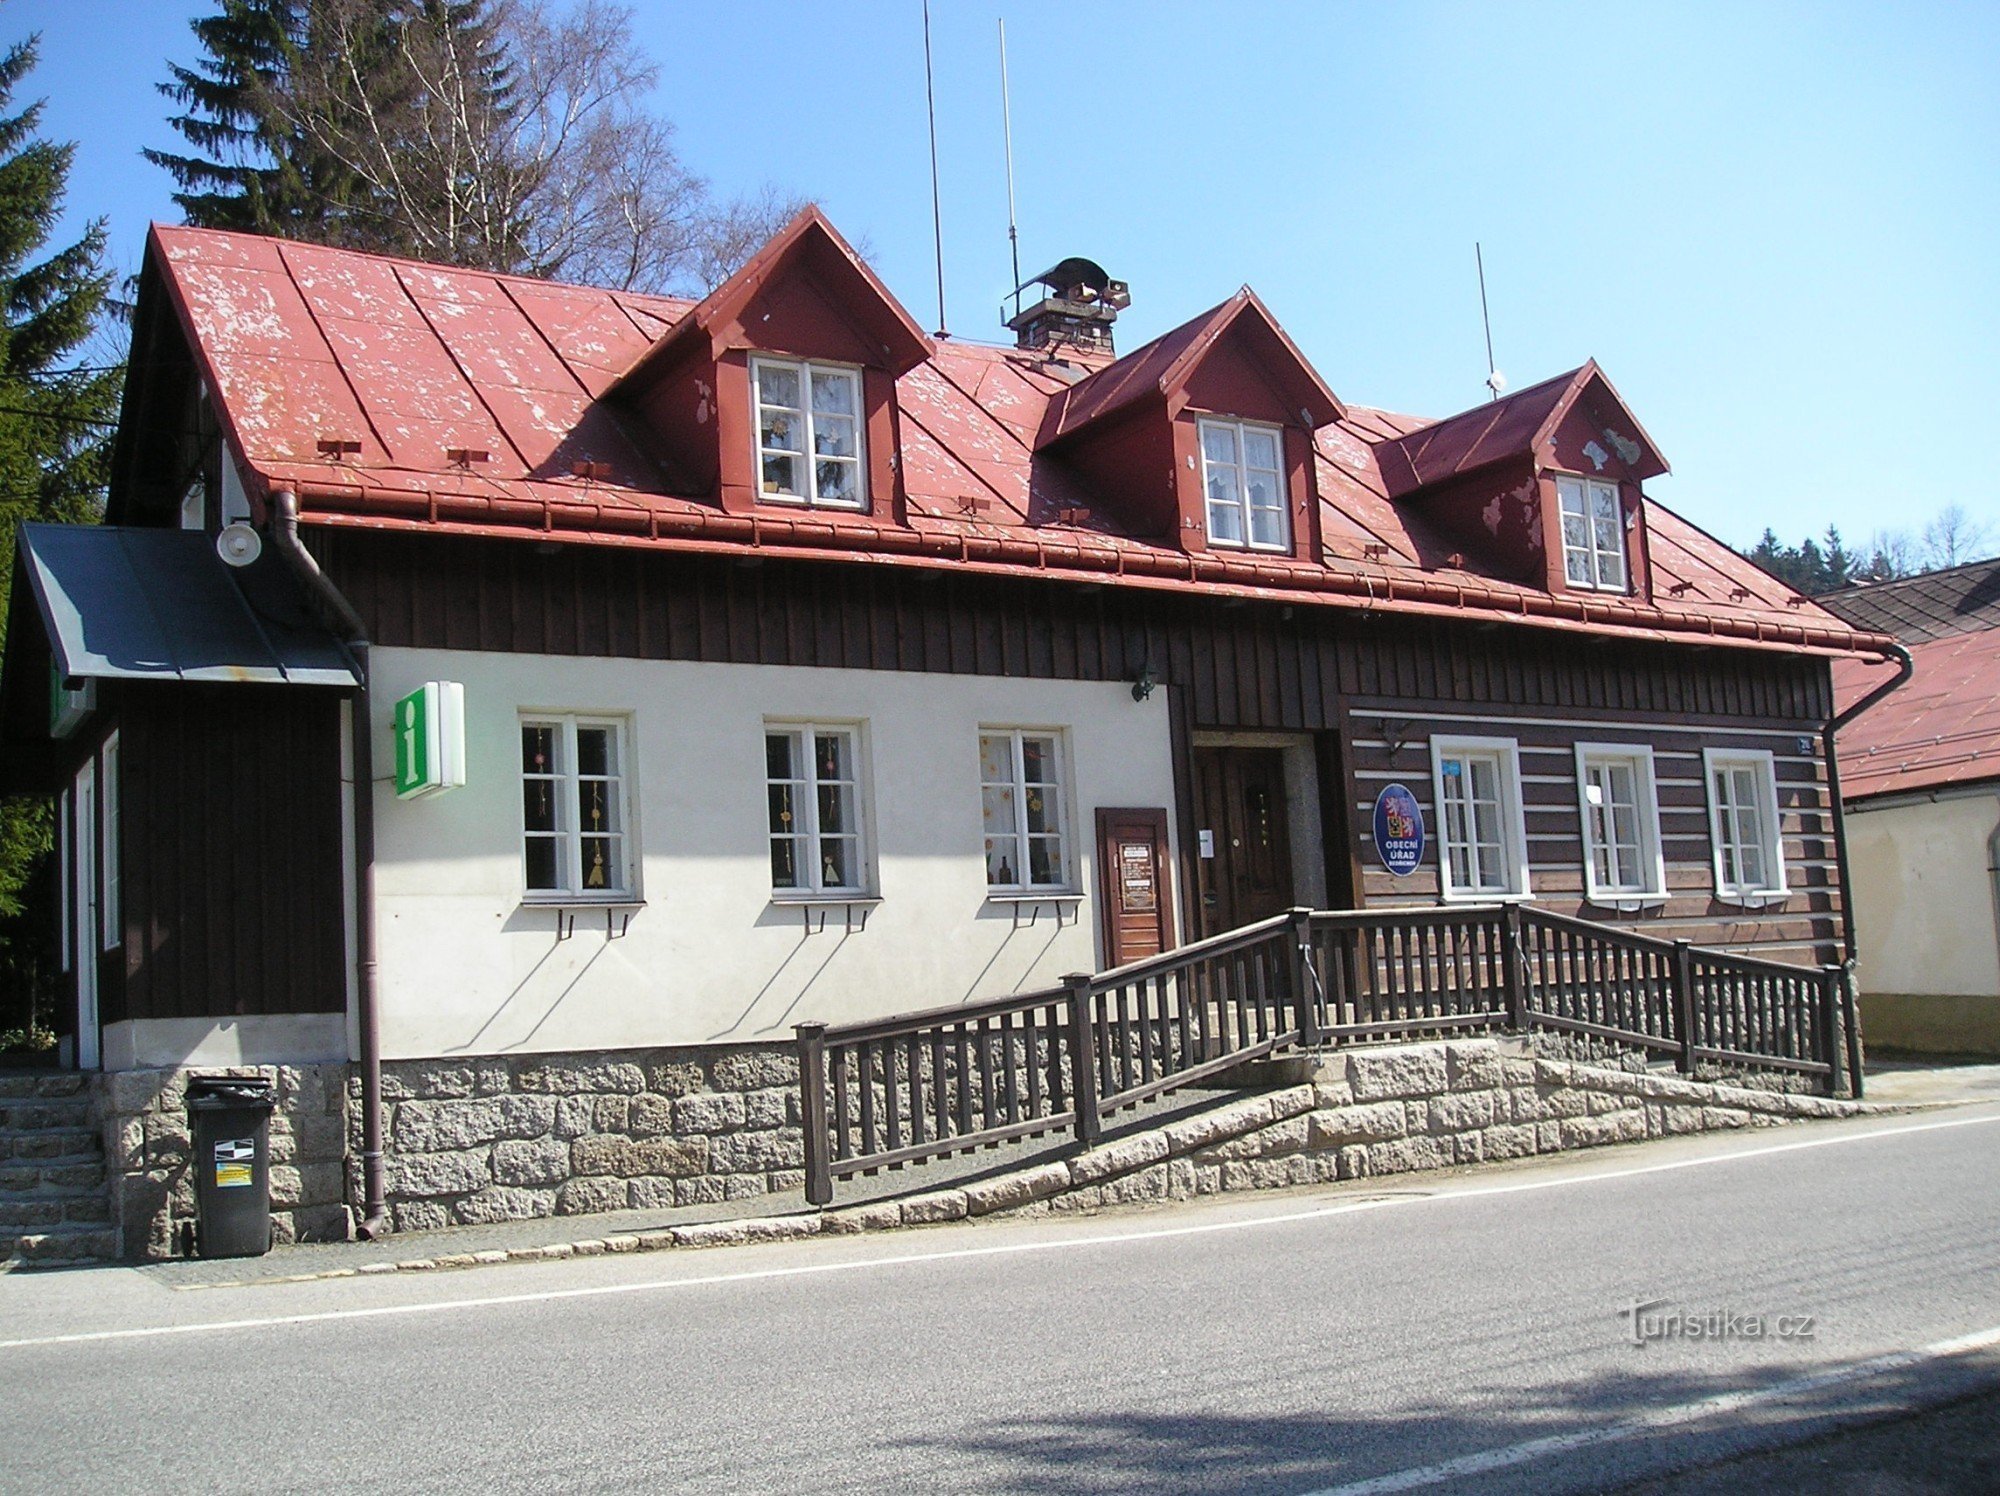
(1954, 537)
(510, 135)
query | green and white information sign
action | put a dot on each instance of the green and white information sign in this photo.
(430, 739)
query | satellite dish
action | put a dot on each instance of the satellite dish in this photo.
(239, 544)
(1496, 381)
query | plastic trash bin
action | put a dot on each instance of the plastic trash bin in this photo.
(230, 1117)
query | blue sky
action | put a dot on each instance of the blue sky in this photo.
(1776, 226)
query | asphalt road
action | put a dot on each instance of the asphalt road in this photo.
(1464, 1333)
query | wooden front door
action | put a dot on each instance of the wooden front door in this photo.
(1244, 854)
(1134, 884)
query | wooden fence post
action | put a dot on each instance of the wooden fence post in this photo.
(1083, 1059)
(1305, 988)
(812, 1104)
(1684, 1003)
(1829, 1027)
(1514, 968)
(1851, 1011)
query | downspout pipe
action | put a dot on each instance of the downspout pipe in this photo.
(1993, 872)
(1905, 668)
(285, 534)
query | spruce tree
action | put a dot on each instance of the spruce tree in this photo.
(55, 425)
(244, 176)
(277, 112)
(503, 136)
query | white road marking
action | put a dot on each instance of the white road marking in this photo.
(1644, 1424)
(1009, 1249)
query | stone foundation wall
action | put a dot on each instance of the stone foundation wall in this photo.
(1584, 1049)
(143, 1118)
(1367, 1113)
(513, 1137)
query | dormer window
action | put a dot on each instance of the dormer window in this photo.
(1243, 476)
(808, 433)
(1593, 534)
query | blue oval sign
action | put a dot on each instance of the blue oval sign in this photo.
(1399, 830)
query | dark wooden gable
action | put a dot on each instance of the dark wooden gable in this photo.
(1593, 434)
(807, 295)
(1132, 429)
(1486, 479)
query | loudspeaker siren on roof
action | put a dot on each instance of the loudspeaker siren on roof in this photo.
(239, 544)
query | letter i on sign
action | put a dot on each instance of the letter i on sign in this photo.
(407, 710)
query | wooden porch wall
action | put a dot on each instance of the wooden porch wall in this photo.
(1224, 664)
(232, 853)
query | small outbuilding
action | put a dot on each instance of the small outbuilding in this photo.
(1920, 777)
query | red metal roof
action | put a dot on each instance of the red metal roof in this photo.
(1161, 365)
(415, 362)
(1507, 427)
(1942, 727)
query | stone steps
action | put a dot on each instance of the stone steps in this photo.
(42, 1114)
(28, 1085)
(54, 1207)
(62, 1246)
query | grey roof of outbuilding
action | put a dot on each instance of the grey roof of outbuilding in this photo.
(123, 601)
(1935, 605)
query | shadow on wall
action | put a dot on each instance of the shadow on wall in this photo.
(1169, 1451)
(823, 935)
(1022, 944)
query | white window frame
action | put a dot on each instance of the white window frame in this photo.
(624, 889)
(65, 881)
(816, 888)
(1605, 570)
(1241, 506)
(1505, 753)
(806, 369)
(1764, 766)
(111, 902)
(1065, 881)
(1652, 886)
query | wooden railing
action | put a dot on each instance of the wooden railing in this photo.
(927, 1085)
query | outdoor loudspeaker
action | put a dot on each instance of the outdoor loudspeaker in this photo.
(239, 544)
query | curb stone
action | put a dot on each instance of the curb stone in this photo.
(1101, 1176)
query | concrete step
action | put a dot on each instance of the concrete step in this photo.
(60, 1246)
(67, 1144)
(29, 1085)
(40, 1085)
(46, 1176)
(44, 1112)
(44, 1212)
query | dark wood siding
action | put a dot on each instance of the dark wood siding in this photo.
(232, 852)
(1392, 744)
(1247, 664)
(1226, 664)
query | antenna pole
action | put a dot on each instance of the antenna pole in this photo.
(937, 217)
(1492, 388)
(1007, 134)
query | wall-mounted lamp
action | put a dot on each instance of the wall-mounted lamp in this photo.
(1395, 732)
(1142, 687)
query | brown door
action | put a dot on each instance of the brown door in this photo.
(1244, 854)
(1134, 884)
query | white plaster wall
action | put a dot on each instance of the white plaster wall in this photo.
(467, 968)
(1923, 899)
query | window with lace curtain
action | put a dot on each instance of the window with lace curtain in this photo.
(575, 842)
